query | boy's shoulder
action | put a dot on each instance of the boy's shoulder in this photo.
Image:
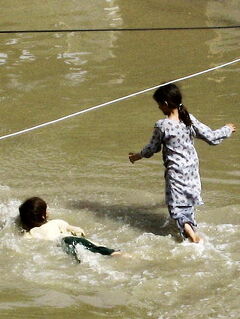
(56, 221)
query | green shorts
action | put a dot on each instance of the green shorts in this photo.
(69, 245)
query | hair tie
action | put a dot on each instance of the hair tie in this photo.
(180, 106)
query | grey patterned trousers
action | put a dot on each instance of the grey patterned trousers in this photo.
(183, 215)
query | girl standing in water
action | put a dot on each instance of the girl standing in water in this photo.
(174, 135)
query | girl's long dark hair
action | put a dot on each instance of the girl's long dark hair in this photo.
(171, 94)
(33, 213)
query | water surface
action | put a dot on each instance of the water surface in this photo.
(80, 166)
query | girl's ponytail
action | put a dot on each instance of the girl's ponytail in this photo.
(184, 115)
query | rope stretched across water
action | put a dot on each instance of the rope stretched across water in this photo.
(116, 100)
(121, 29)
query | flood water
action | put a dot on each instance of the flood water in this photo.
(80, 166)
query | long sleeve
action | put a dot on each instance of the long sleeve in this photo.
(205, 133)
(154, 145)
(54, 229)
(76, 231)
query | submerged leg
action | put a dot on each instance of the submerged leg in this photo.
(186, 223)
(70, 243)
(195, 238)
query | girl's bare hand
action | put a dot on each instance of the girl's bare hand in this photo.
(232, 126)
(134, 157)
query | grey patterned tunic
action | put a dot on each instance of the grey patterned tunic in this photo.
(183, 186)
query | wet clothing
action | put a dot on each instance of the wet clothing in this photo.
(70, 246)
(183, 186)
(183, 215)
(59, 229)
(182, 179)
(53, 229)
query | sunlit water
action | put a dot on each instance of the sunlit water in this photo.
(80, 166)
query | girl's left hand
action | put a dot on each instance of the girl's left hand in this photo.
(232, 126)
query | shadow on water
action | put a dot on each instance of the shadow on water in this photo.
(145, 218)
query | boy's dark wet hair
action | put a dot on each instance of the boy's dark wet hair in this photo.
(33, 213)
(170, 94)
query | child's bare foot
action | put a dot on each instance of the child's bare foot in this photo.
(195, 238)
(119, 253)
(198, 239)
(116, 253)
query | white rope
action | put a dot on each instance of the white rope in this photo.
(116, 100)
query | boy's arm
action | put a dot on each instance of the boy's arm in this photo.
(77, 231)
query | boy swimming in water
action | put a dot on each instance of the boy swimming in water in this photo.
(34, 220)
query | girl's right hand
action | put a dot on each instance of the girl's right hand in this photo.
(133, 157)
(232, 126)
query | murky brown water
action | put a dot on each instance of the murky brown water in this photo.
(80, 166)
